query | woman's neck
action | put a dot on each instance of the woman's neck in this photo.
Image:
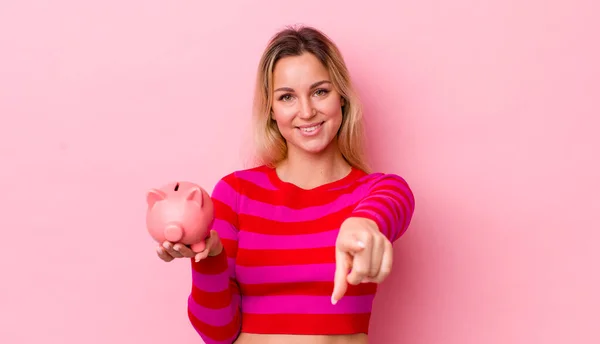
(309, 171)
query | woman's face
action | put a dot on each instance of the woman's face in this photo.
(306, 106)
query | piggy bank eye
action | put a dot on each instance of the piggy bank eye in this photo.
(176, 186)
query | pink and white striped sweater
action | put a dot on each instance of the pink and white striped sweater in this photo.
(275, 275)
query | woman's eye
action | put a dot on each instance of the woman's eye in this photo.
(285, 97)
(321, 92)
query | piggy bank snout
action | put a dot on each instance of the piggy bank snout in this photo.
(173, 232)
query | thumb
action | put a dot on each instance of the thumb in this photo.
(340, 282)
(214, 243)
(350, 244)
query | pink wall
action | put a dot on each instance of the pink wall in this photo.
(489, 109)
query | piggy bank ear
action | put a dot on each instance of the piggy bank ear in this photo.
(195, 195)
(154, 196)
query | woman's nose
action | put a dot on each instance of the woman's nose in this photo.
(307, 110)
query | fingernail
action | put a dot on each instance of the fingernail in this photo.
(176, 248)
(166, 244)
(361, 244)
(333, 301)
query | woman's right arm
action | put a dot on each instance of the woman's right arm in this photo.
(214, 306)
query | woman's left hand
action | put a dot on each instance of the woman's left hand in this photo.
(362, 248)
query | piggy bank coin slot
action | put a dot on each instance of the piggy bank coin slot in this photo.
(176, 186)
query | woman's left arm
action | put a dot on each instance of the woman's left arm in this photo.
(364, 242)
(390, 203)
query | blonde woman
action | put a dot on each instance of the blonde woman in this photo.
(301, 241)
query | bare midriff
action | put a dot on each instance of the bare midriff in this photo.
(250, 338)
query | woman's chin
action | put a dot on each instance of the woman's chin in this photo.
(315, 147)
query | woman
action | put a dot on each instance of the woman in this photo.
(300, 242)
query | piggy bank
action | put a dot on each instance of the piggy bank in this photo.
(180, 212)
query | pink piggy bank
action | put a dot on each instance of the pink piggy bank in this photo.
(180, 212)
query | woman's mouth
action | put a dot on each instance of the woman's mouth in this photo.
(310, 129)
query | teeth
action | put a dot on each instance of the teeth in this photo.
(309, 129)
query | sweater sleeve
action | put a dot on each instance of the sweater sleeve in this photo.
(214, 303)
(390, 203)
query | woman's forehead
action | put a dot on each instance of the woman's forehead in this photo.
(299, 71)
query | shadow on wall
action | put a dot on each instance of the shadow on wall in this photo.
(432, 278)
(388, 106)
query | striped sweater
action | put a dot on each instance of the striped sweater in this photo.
(275, 274)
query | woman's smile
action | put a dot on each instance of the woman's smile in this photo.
(310, 129)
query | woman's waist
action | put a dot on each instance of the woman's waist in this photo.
(305, 324)
(252, 338)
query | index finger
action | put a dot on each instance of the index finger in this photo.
(184, 250)
(340, 282)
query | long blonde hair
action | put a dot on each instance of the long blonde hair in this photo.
(271, 147)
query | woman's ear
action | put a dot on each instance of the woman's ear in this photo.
(343, 101)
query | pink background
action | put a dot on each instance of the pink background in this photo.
(488, 108)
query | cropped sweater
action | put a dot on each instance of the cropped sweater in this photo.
(275, 274)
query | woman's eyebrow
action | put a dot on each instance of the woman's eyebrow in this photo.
(316, 84)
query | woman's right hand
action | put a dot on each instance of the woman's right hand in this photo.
(169, 251)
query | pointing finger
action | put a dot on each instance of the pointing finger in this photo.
(340, 284)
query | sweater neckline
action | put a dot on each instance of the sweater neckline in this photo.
(353, 175)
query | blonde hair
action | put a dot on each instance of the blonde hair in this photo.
(271, 147)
